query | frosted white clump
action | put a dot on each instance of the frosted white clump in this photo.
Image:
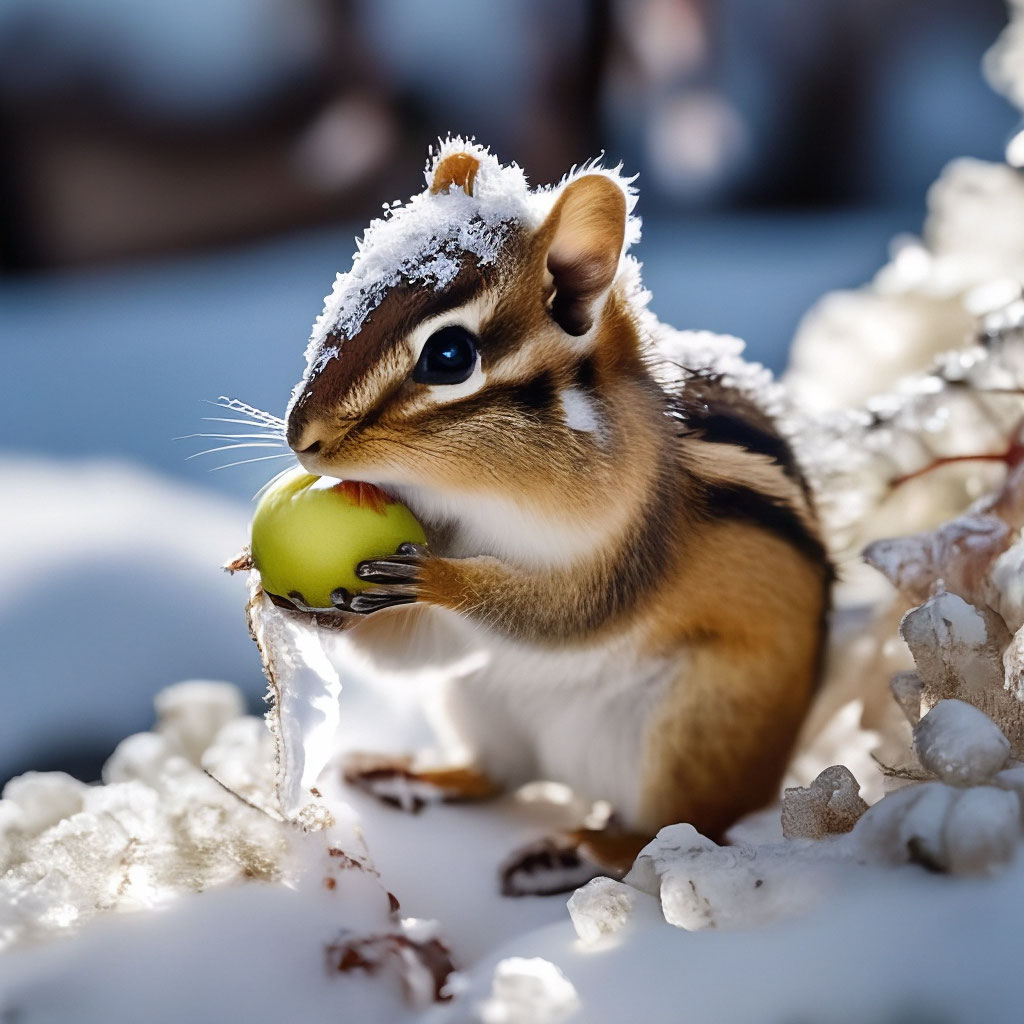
(983, 830)
(851, 345)
(977, 209)
(703, 885)
(1012, 780)
(955, 644)
(892, 336)
(528, 990)
(157, 829)
(1004, 61)
(241, 757)
(145, 757)
(1005, 589)
(304, 693)
(955, 556)
(1013, 666)
(33, 802)
(671, 843)
(600, 908)
(191, 713)
(944, 828)
(960, 744)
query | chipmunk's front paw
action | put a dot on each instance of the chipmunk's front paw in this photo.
(391, 779)
(548, 866)
(396, 580)
(332, 617)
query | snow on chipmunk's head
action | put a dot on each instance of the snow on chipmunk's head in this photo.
(466, 318)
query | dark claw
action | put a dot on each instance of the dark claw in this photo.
(408, 548)
(396, 569)
(340, 598)
(374, 600)
(546, 867)
(301, 605)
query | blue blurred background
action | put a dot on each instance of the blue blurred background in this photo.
(181, 179)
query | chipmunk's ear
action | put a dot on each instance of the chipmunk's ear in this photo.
(455, 169)
(584, 232)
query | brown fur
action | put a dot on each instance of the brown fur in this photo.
(748, 608)
(457, 169)
(612, 849)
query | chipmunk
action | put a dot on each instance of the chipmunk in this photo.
(639, 562)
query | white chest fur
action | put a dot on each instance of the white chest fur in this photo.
(507, 529)
(575, 715)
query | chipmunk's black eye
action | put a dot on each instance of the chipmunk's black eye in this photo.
(448, 357)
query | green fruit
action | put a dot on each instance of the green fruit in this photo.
(309, 533)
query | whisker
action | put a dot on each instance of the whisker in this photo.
(245, 462)
(264, 430)
(232, 437)
(244, 423)
(244, 409)
(233, 447)
(251, 421)
(270, 483)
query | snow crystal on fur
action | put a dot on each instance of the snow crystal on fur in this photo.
(424, 240)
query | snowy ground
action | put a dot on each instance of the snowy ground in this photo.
(859, 944)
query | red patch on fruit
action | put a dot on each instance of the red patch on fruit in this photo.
(365, 495)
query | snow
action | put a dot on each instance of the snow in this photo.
(1006, 592)
(249, 953)
(528, 990)
(306, 688)
(960, 744)
(943, 828)
(418, 242)
(1002, 61)
(902, 944)
(424, 240)
(191, 714)
(600, 908)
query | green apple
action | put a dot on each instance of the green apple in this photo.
(310, 532)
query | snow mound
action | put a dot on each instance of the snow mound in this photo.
(528, 990)
(188, 808)
(159, 828)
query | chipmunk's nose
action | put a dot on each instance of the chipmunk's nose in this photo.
(305, 438)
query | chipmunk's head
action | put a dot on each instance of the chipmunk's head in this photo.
(463, 355)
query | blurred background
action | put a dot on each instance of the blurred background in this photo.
(181, 179)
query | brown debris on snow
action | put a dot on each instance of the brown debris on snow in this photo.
(423, 964)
